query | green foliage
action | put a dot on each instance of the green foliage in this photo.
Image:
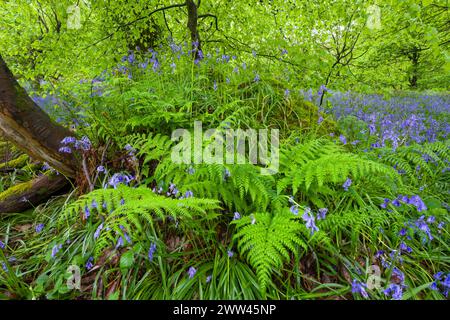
(267, 240)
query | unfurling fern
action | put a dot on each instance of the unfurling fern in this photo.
(129, 209)
(267, 240)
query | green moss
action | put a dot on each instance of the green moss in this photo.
(17, 189)
(17, 163)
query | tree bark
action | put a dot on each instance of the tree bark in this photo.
(29, 194)
(193, 28)
(27, 126)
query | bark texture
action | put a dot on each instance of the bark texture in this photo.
(27, 126)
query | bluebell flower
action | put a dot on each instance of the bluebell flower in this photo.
(404, 247)
(257, 78)
(347, 184)
(151, 251)
(294, 209)
(236, 216)
(189, 194)
(101, 169)
(97, 232)
(208, 279)
(322, 213)
(2, 245)
(385, 203)
(343, 139)
(230, 253)
(191, 272)
(68, 140)
(56, 249)
(418, 203)
(65, 150)
(402, 232)
(89, 264)
(439, 275)
(320, 120)
(434, 286)
(395, 291)
(119, 178)
(119, 242)
(87, 212)
(39, 227)
(310, 221)
(359, 288)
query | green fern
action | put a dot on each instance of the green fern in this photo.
(127, 208)
(267, 240)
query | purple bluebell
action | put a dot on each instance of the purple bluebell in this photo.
(65, 150)
(310, 221)
(322, 213)
(68, 140)
(294, 209)
(347, 184)
(39, 227)
(89, 263)
(191, 272)
(87, 212)
(395, 291)
(97, 232)
(56, 249)
(151, 251)
(359, 288)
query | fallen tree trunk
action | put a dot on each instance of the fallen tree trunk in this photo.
(27, 126)
(29, 194)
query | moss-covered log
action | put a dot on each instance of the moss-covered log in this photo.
(28, 194)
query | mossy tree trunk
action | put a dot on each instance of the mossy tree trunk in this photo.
(29, 194)
(27, 126)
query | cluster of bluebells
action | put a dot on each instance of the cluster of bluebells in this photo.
(120, 178)
(413, 200)
(359, 288)
(71, 143)
(421, 227)
(121, 242)
(441, 283)
(391, 121)
(397, 285)
(309, 217)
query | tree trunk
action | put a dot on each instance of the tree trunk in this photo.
(29, 194)
(193, 28)
(27, 126)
